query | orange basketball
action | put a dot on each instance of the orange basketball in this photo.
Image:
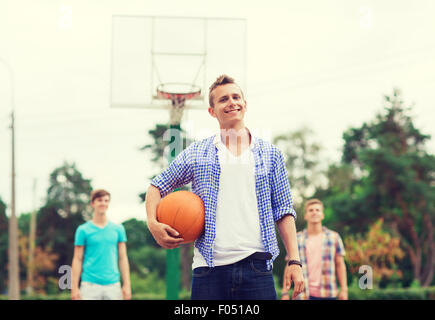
(183, 211)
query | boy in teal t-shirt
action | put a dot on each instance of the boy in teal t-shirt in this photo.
(100, 256)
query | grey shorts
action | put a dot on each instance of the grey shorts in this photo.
(93, 291)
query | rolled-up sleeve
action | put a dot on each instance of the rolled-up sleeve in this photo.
(281, 198)
(178, 174)
(339, 246)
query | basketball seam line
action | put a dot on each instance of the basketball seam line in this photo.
(197, 217)
(175, 217)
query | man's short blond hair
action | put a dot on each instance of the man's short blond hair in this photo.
(220, 81)
(311, 202)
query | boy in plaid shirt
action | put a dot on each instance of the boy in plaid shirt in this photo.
(244, 185)
(322, 254)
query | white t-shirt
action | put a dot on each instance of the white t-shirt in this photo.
(238, 233)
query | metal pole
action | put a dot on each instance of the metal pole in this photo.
(173, 255)
(14, 280)
(32, 236)
(13, 272)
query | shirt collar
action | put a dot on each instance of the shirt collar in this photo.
(218, 142)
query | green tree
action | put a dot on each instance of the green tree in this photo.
(45, 265)
(145, 255)
(378, 249)
(138, 234)
(303, 164)
(159, 155)
(69, 191)
(344, 200)
(66, 207)
(394, 178)
(158, 149)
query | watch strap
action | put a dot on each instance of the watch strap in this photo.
(290, 262)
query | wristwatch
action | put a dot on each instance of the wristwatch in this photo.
(290, 262)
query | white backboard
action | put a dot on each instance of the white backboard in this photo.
(150, 50)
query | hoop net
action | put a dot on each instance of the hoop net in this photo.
(178, 93)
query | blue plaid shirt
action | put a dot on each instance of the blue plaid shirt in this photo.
(199, 164)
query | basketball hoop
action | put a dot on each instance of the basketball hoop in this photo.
(178, 93)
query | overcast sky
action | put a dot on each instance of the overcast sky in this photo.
(321, 64)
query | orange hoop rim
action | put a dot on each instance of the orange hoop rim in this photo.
(164, 91)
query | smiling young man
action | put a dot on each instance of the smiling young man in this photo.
(322, 253)
(100, 252)
(244, 185)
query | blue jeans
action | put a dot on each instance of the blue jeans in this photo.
(244, 280)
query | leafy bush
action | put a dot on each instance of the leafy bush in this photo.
(393, 294)
(150, 283)
(427, 293)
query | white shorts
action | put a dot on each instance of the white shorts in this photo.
(93, 291)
